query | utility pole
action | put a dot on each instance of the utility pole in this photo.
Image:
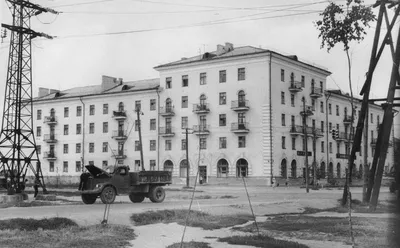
(187, 157)
(138, 112)
(304, 114)
(327, 135)
(17, 139)
(365, 157)
(314, 158)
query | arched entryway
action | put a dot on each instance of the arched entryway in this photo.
(242, 168)
(330, 170)
(168, 165)
(284, 168)
(222, 168)
(338, 170)
(183, 168)
(322, 170)
(293, 169)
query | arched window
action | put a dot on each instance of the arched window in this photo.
(168, 105)
(330, 170)
(345, 111)
(52, 112)
(322, 170)
(121, 107)
(223, 168)
(292, 78)
(183, 168)
(338, 172)
(168, 165)
(242, 168)
(203, 99)
(284, 168)
(293, 169)
(241, 99)
(312, 84)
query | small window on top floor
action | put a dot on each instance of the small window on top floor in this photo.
(185, 81)
(203, 78)
(222, 76)
(168, 82)
(91, 110)
(39, 114)
(372, 118)
(152, 104)
(282, 75)
(66, 112)
(241, 74)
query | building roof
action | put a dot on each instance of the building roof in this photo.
(132, 86)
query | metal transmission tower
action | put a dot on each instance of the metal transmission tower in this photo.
(17, 141)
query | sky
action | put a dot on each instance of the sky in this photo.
(127, 38)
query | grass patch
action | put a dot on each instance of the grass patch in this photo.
(61, 232)
(191, 244)
(227, 197)
(261, 241)
(196, 219)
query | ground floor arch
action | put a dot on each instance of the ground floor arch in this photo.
(168, 165)
(338, 171)
(330, 170)
(242, 168)
(222, 168)
(322, 170)
(293, 169)
(183, 168)
(284, 168)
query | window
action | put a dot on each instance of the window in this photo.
(283, 120)
(91, 162)
(185, 101)
(91, 147)
(168, 145)
(51, 166)
(65, 149)
(38, 149)
(222, 120)
(152, 124)
(282, 75)
(222, 142)
(168, 83)
(330, 126)
(65, 166)
(137, 145)
(337, 110)
(203, 143)
(321, 85)
(330, 108)
(104, 164)
(372, 118)
(105, 127)
(78, 128)
(203, 78)
(321, 106)
(91, 127)
(282, 97)
(152, 104)
(222, 98)
(184, 122)
(223, 168)
(372, 134)
(137, 165)
(283, 142)
(92, 110)
(38, 131)
(152, 164)
(322, 146)
(185, 81)
(66, 129)
(378, 120)
(322, 126)
(303, 80)
(183, 144)
(293, 143)
(105, 109)
(292, 120)
(313, 104)
(79, 111)
(152, 145)
(241, 141)
(66, 112)
(78, 148)
(39, 114)
(292, 100)
(138, 105)
(78, 166)
(222, 76)
(241, 74)
(105, 146)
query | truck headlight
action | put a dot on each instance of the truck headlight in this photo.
(98, 185)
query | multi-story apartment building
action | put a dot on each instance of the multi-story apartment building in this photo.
(247, 111)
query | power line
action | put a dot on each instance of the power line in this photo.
(77, 4)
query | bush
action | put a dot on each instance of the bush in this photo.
(33, 224)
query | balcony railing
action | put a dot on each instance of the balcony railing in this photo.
(375, 140)
(296, 129)
(299, 130)
(51, 120)
(347, 119)
(119, 115)
(242, 105)
(120, 134)
(167, 111)
(201, 129)
(316, 92)
(119, 154)
(296, 87)
(343, 136)
(201, 108)
(166, 131)
(242, 127)
(308, 110)
(49, 138)
(49, 156)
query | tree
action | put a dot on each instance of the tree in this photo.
(345, 24)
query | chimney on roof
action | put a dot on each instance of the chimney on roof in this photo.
(109, 82)
(228, 47)
(183, 58)
(220, 49)
(45, 91)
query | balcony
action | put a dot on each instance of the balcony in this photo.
(167, 111)
(240, 105)
(347, 120)
(345, 137)
(375, 140)
(296, 87)
(201, 108)
(120, 135)
(166, 132)
(298, 130)
(201, 129)
(49, 156)
(308, 111)
(119, 115)
(49, 138)
(51, 120)
(119, 154)
(316, 92)
(240, 127)
(342, 156)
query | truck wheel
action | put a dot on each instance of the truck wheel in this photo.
(108, 195)
(89, 198)
(135, 198)
(157, 194)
